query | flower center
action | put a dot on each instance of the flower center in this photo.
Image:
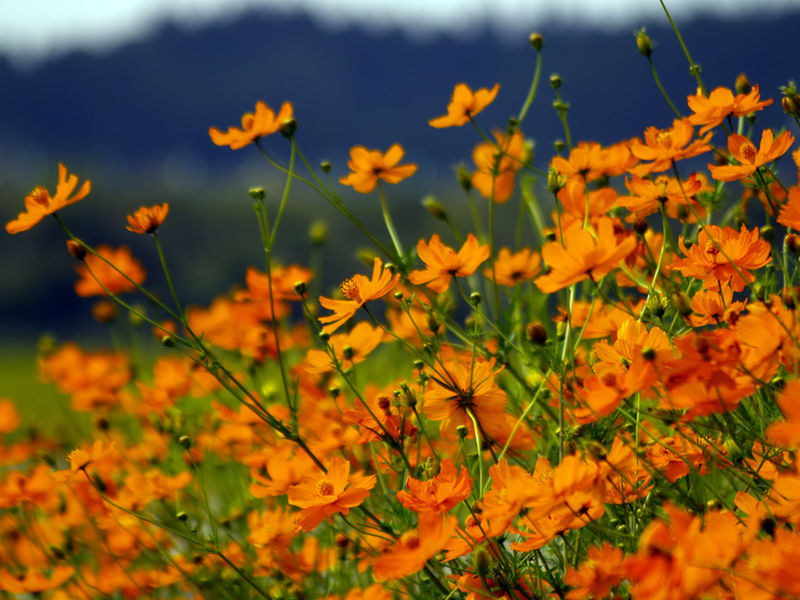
(748, 152)
(349, 289)
(40, 196)
(325, 487)
(664, 139)
(411, 540)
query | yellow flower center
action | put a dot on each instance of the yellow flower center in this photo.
(410, 540)
(248, 120)
(349, 289)
(325, 487)
(748, 152)
(40, 196)
(664, 139)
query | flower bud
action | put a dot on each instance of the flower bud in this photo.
(464, 178)
(681, 303)
(643, 43)
(792, 242)
(462, 431)
(555, 181)
(559, 145)
(537, 40)
(436, 210)
(318, 232)
(742, 84)
(536, 333)
(648, 354)
(288, 127)
(767, 233)
(104, 311)
(300, 287)
(481, 560)
(182, 517)
(257, 193)
(475, 298)
(789, 296)
(185, 441)
(555, 81)
(76, 249)
(326, 166)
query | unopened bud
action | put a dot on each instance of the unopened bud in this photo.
(168, 341)
(436, 210)
(182, 517)
(536, 333)
(649, 354)
(790, 100)
(462, 431)
(559, 145)
(537, 40)
(681, 303)
(288, 127)
(257, 193)
(555, 181)
(555, 81)
(433, 324)
(76, 249)
(464, 178)
(334, 391)
(318, 232)
(792, 242)
(326, 166)
(104, 311)
(185, 441)
(790, 296)
(767, 233)
(742, 84)
(481, 560)
(475, 298)
(643, 43)
(300, 287)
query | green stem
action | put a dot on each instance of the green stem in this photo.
(387, 218)
(532, 91)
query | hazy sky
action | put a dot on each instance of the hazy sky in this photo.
(33, 29)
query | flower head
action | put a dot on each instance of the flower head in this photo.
(413, 549)
(497, 164)
(724, 256)
(443, 263)
(337, 491)
(368, 166)
(255, 125)
(664, 146)
(711, 111)
(39, 203)
(583, 255)
(121, 278)
(464, 105)
(357, 290)
(147, 218)
(750, 158)
(438, 494)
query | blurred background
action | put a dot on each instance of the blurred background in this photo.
(123, 94)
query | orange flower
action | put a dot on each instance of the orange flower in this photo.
(787, 433)
(39, 203)
(112, 278)
(464, 105)
(438, 494)
(462, 386)
(497, 164)
(254, 125)
(348, 348)
(410, 553)
(34, 581)
(585, 162)
(712, 307)
(750, 159)
(648, 195)
(368, 166)
(147, 218)
(443, 263)
(335, 492)
(358, 290)
(510, 269)
(602, 570)
(664, 146)
(583, 255)
(724, 256)
(790, 212)
(711, 111)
